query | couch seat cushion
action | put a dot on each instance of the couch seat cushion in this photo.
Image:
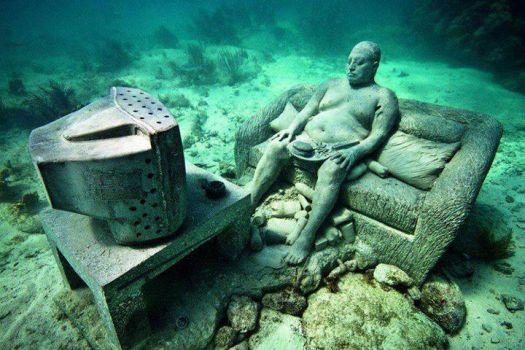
(387, 200)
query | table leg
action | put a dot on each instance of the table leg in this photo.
(71, 278)
(232, 241)
(124, 314)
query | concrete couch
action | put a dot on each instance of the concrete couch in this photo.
(396, 222)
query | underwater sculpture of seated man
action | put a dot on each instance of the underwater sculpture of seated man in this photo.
(341, 111)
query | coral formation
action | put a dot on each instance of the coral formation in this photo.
(483, 32)
(16, 87)
(198, 70)
(231, 22)
(176, 101)
(23, 213)
(232, 64)
(216, 25)
(165, 38)
(113, 56)
(53, 101)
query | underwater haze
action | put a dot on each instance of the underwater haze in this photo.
(214, 64)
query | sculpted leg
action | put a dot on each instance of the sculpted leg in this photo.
(329, 179)
(268, 168)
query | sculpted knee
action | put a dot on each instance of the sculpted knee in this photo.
(276, 150)
(331, 173)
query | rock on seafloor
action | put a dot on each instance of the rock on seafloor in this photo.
(225, 338)
(443, 302)
(241, 346)
(364, 316)
(392, 276)
(243, 313)
(286, 301)
(512, 303)
(278, 331)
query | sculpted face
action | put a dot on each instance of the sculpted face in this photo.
(362, 65)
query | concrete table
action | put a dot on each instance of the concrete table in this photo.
(87, 254)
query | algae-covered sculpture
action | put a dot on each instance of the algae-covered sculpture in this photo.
(398, 187)
(344, 121)
(120, 191)
(119, 158)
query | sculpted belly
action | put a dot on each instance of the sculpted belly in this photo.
(335, 126)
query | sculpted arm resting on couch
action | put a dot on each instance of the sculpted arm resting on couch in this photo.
(301, 119)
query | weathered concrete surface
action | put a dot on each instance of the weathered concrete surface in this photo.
(364, 316)
(278, 331)
(119, 158)
(439, 213)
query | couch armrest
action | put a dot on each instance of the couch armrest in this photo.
(257, 129)
(454, 192)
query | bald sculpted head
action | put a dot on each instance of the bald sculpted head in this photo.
(363, 62)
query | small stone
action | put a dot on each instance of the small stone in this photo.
(259, 219)
(225, 338)
(494, 340)
(392, 276)
(509, 199)
(493, 311)
(504, 267)
(487, 328)
(414, 293)
(506, 324)
(443, 302)
(243, 313)
(364, 256)
(241, 346)
(512, 303)
(286, 301)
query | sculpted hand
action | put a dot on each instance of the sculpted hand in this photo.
(345, 158)
(285, 135)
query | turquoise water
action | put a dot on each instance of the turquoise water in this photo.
(57, 56)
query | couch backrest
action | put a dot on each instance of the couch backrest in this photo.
(429, 123)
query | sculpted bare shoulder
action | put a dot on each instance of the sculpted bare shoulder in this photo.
(387, 95)
(387, 100)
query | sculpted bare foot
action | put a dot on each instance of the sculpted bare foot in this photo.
(292, 237)
(298, 252)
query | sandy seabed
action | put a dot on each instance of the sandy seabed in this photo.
(29, 277)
